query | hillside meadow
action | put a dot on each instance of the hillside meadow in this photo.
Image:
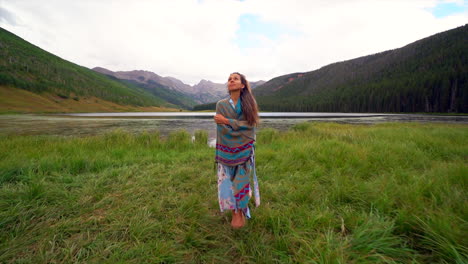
(331, 193)
(15, 100)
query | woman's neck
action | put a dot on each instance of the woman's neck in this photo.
(235, 96)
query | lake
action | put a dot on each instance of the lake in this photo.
(83, 124)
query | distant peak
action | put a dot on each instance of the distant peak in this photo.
(205, 82)
(99, 68)
(102, 70)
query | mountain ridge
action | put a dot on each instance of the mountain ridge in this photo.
(428, 75)
(26, 66)
(205, 91)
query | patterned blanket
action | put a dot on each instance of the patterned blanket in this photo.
(234, 142)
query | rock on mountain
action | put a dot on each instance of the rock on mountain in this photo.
(208, 91)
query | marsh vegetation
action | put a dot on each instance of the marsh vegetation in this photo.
(331, 193)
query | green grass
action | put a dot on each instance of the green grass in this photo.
(331, 193)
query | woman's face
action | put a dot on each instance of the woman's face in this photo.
(235, 83)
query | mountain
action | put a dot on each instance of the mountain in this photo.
(57, 81)
(167, 88)
(429, 75)
(222, 92)
(254, 85)
(172, 89)
(145, 77)
(208, 91)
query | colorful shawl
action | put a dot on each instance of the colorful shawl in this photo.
(234, 142)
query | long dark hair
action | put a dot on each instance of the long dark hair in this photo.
(249, 104)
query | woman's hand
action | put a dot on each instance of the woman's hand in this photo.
(221, 120)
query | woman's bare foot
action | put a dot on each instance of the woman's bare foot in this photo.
(238, 219)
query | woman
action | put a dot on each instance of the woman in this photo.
(236, 118)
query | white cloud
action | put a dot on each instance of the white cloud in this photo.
(193, 40)
(340, 30)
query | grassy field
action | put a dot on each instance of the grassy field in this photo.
(331, 193)
(15, 100)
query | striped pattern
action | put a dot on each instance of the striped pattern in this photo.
(236, 149)
(234, 187)
(231, 162)
(242, 192)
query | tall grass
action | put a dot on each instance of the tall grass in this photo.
(387, 193)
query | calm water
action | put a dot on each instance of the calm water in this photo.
(98, 123)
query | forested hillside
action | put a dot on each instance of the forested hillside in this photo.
(429, 75)
(25, 66)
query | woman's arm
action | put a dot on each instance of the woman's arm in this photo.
(235, 124)
(221, 120)
(239, 124)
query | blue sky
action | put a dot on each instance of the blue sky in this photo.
(450, 8)
(252, 29)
